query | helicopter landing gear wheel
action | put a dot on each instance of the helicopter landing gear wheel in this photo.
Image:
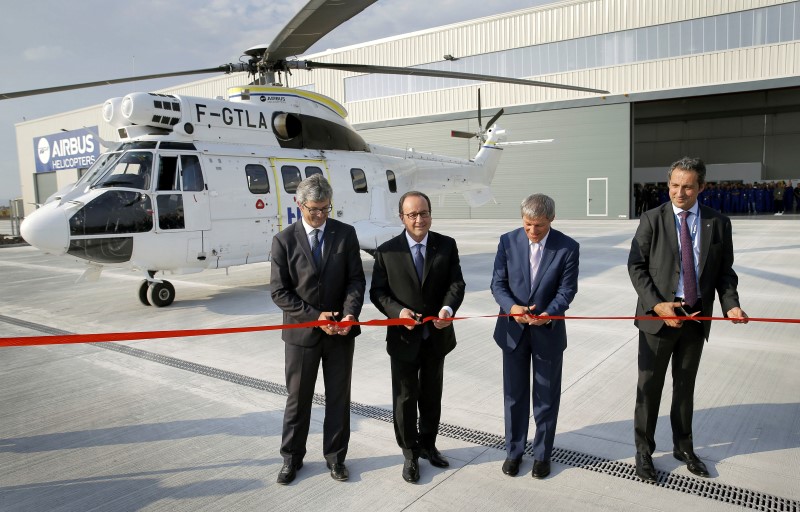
(161, 294)
(143, 286)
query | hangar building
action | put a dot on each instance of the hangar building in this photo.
(716, 79)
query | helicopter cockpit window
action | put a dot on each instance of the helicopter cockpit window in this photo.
(99, 167)
(392, 181)
(257, 179)
(312, 170)
(291, 178)
(132, 170)
(359, 180)
(192, 175)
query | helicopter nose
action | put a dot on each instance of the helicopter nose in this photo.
(47, 229)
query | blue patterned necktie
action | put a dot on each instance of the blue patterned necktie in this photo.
(419, 261)
(687, 262)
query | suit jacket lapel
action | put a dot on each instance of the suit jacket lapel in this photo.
(706, 232)
(302, 243)
(328, 238)
(522, 244)
(670, 231)
(547, 258)
(430, 253)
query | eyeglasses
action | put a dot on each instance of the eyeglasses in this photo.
(413, 215)
(318, 211)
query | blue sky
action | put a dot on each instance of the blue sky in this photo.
(48, 43)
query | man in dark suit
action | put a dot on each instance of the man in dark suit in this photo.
(317, 275)
(417, 274)
(681, 254)
(535, 276)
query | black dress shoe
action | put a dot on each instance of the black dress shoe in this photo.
(288, 472)
(645, 468)
(411, 470)
(511, 467)
(693, 463)
(435, 457)
(541, 468)
(339, 471)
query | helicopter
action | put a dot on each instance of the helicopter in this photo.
(197, 183)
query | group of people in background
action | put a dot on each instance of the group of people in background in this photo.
(775, 197)
(681, 254)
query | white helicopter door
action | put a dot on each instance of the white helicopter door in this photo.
(181, 196)
(288, 174)
(195, 195)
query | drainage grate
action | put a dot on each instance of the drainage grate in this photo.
(699, 487)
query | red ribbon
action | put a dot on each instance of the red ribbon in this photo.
(61, 339)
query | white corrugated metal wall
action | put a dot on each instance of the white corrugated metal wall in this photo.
(547, 24)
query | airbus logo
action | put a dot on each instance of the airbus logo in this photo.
(43, 150)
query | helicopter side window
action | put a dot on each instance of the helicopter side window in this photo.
(168, 173)
(191, 173)
(170, 211)
(392, 181)
(359, 180)
(291, 178)
(312, 170)
(257, 179)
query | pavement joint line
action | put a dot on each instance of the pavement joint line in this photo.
(701, 487)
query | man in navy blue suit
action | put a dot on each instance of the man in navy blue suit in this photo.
(535, 276)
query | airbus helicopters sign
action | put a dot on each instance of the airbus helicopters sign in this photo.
(67, 150)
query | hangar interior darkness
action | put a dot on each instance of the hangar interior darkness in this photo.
(747, 127)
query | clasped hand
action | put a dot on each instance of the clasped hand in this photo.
(524, 315)
(334, 328)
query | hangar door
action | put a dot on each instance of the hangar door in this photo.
(597, 197)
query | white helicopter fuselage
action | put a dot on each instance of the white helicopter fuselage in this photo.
(198, 183)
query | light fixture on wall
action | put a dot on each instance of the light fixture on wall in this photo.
(450, 57)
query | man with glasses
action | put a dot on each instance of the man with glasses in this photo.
(316, 274)
(417, 274)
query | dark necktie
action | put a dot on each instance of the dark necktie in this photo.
(687, 262)
(419, 261)
(315, 252)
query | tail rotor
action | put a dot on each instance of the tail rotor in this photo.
(481, 133)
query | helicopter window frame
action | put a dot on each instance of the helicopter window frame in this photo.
(99, 168)
(126, 172)
(192, 174)
(167, 179)
(312, 170)
(291, 177)
(391, 179)
(359, 179)
(256, 173)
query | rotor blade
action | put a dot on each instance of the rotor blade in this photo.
(463, 135)
(391, 70)
(495, 118)
(225, 68)
(313, 22)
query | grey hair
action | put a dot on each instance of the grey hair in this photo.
(538, 205)
(314, 188)
(690, 164)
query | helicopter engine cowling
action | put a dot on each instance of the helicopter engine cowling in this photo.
(151, 109)
(112, 113)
